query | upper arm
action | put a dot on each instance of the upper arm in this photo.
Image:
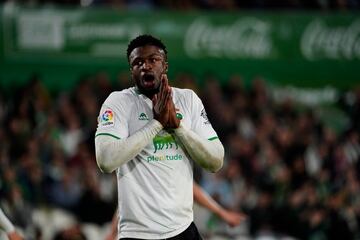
(200, 122)
(112, 119)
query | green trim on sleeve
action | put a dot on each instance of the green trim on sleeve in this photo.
(107, 134)
(213, 138)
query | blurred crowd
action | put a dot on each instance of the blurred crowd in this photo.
(204, 4)
(288, 171)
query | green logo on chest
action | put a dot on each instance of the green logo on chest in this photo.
(164, 142)
(179, 116)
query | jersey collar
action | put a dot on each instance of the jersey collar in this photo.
(142, 96)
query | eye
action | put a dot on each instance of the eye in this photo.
(137, 63)
(155, 59)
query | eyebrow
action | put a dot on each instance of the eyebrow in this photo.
(155, 54)
(151, 55)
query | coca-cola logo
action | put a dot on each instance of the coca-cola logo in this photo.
(322, 41)
(245, 38)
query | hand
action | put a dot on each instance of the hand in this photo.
(173, 121)
(111, 236)
(232, 218)
(160, 102)
(14, 236)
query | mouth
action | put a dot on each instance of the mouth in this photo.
(148, 77)
(148, 80)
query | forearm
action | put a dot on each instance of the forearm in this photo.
(112, 235)
(114, 223)
(112, 153)
(208, 154)
(5, 223)
(204, 200)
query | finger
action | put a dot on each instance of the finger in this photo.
(163, 89)
(167, 98)
(171, 104)
(170, 89)
(169, 93)
(166, 80)
(162, 100)
(155, 101)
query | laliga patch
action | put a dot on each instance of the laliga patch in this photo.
(107, 118)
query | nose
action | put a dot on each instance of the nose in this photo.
(147, 65)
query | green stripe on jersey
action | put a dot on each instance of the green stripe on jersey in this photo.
(107, 134)
(213, 138)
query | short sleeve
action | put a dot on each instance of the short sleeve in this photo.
(112, 119)
(200, 122)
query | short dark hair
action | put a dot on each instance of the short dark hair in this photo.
(144, 40)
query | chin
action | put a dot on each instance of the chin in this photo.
(148, 91)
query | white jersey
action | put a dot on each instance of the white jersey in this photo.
(154, 188)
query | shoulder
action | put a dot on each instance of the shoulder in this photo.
(120, 97)
(184, 92)
(187, 96)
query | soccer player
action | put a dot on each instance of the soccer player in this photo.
(203, 199)
(151, 134)
(8, 227)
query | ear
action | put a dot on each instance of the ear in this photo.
(166, 67)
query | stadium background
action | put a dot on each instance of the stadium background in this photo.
(279, 79)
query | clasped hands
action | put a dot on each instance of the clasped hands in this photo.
(163, 106)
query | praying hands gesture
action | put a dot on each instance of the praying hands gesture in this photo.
(164, 108)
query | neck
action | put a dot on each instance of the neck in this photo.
(148, 93)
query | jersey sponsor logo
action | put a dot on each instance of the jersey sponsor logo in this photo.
(143, 116)
(107, 118)
(164, 142)
(157, 158)
(204, 116)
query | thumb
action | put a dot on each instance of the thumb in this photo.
(154, 99)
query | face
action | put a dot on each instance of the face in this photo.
(147, 64)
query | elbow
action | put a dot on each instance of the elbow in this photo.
(218, 161)
(217, 165)
(103, 158)
(103, 165)
(213, 161)
(105, 168)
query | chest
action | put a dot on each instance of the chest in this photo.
(142, 112)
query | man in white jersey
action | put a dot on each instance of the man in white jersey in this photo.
(232, 218)
(151, 134)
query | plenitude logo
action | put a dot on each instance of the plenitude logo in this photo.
(153, 158)
(164, 142)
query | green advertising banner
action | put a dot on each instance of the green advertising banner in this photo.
(302, 49)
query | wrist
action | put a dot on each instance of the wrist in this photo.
(221, 213)
(157, 124)
(180, 129)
